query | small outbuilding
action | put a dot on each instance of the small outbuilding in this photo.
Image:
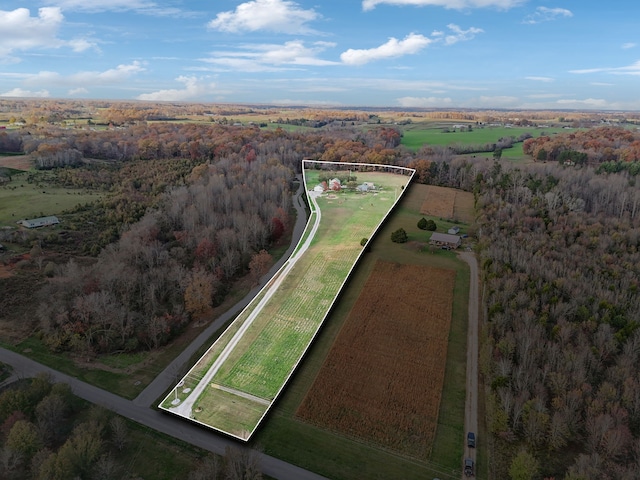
(39, 222)
(445, 240)
(453, 230)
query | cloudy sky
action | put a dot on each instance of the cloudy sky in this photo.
(564, 54)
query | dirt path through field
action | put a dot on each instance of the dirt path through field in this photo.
(471, 405)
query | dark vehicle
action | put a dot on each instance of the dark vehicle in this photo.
(471, 440)
(468, 467)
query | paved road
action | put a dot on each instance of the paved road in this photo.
(138, 410)
(471, 406)
(173, 426)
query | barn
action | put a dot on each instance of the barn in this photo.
(445, 240)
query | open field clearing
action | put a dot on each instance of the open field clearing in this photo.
(251, 362)
(386, 369)
(417, 135)
(448, 203)
(20, 199)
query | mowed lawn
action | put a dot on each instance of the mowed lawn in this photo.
(268, 351)
(20, 199)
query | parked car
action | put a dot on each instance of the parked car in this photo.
(471, 440)
(468, 467)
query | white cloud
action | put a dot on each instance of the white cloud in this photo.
(411, 44)
(545, 14)
(503, 101)
(20, 31)
(587, 102)
(450, 4)
(545, 95)
(540, 79)
(633, 69)
(281, 16)
(78, 91)
(194, 88)
(272, 57)
(460, 35)
(86, 79)
(629, 45)
(19, 92)
(96, 6)
(424, 102)
(81, 44)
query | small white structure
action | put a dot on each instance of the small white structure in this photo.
(453, 230)
(39, 222)
(318, 188)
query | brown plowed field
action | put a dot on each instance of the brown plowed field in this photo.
(448, 203)
(19, 162)
(383, 377)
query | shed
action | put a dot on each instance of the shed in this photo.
(445, 240)
(40, 222)
(453, 230)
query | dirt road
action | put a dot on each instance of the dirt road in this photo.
(471, 405)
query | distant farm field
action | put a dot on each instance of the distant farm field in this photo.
(383, 378)
(20, 199)
(418, 135)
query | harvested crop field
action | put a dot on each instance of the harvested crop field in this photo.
(448, 203)
(383, 378)
(17, 162)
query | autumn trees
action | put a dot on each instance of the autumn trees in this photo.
(597, 145)
(560, 250)
(48, 434)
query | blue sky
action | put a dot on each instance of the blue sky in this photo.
(556, 54)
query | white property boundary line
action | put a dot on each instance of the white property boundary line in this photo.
(284, 269)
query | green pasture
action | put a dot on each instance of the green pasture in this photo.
(20, 199)
(271, 346)
(417, 135)
(340, 457)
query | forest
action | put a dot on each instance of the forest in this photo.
(46, 433)
(189, 208)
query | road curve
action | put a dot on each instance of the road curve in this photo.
(471, 404)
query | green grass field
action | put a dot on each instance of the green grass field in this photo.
(20, 199)
(336, 456)
(417, 135)
(267, 352)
